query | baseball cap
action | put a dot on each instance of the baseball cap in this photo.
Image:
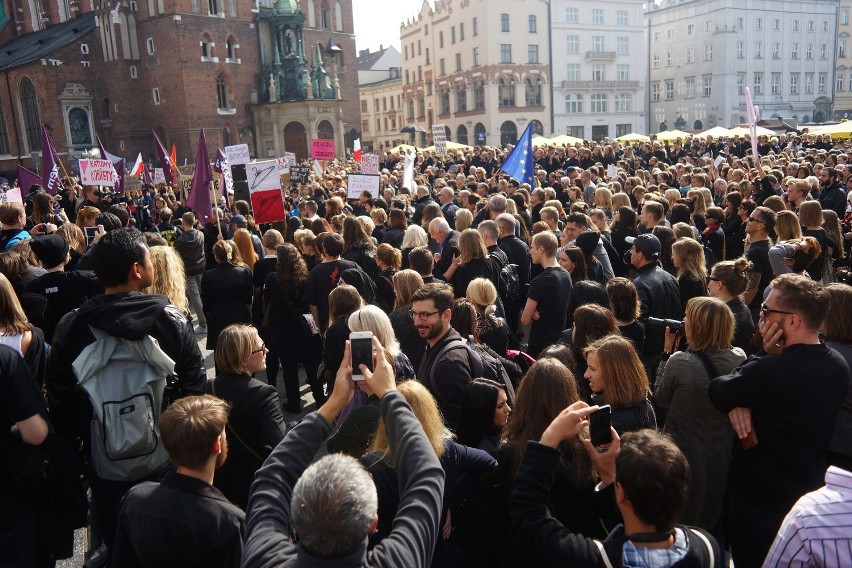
(647, 244)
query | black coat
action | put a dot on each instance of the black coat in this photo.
(451, 247)
(256, 419)
(226, 294)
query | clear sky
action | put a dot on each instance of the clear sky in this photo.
(377, 21)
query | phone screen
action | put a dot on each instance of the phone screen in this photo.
(362, 354)
(599, 426)
(91, 232)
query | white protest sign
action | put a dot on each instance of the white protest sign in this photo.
(96, 172)
(291, 158)
(263, 176)
(238, 154)
(611, 171)
(159, 176)
(283, 166)
(357, 183)
(12, 195)
(370, 164)
(719, 159)
(317, 168)
(439, 137)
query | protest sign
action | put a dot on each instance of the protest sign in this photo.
(322, 149)
(238, 154)
(370, 164)
(265, 190)
(357, 183)
(291, 158)
(283, 166)
(159, 176)
(96, 172)
(611, 171)
(12, 195)
(439, 138)
(300, 174)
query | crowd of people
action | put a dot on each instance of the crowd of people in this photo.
(699, 300)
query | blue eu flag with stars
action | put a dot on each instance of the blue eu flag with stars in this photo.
(519, 164)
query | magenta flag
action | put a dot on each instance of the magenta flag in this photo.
(165, 159)
(49, 164)
(199, 190)
(26, 178)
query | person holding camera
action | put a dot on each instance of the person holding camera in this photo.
(91, 198)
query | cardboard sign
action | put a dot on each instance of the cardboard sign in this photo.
(439, 138)
(300, 174)
(357, 183)
(263, 176)
(265, 190)
(322, 149)
(317, 168)
(283, 166)
(96, 172)
(370, 164)
(238, 154)
(12, 195)
(291, 158)
(159, 176)
(612, 171)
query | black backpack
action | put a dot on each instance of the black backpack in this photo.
(482, 365)
(506, 279)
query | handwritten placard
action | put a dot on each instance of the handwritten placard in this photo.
(322, 149)
(439, 138)
(12, 195)
(283, 166)
(96, 172)
(299, 174)
(612, 171)
(291, 158)
(238, 154)
(358, 183)
(159, 176)
(370, 164)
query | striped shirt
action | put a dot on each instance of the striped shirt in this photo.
(818, 530)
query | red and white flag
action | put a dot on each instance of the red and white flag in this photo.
(356, 146)
(138, 166)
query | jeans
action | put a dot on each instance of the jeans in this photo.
(752, 532)
(193, 294)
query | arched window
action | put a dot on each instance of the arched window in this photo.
(533, 92)
(448, 134)
(206, 46)
(231, 48)
(31, 119)
(479, 134)
(461, 134)
(106, 111)
(124, 30)
(506, 92)
(537, 127)
(508, 133)
(4, 135)
(221, 92)
(312, 14)
(325, 17)
(698, 125)
(325, 131)
(338, 17)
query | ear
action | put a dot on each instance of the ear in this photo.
(375, 524)
(217, 445)
(620, 494)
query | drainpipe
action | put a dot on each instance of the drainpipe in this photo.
(550, 57)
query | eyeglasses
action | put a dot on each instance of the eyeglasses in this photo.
(260, 349)
(769, 311)
(423, 315)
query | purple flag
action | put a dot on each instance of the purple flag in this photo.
(146, 176)
(199, 191)
(117, 165)
(26, 178)
(165, 159)
(49, 164)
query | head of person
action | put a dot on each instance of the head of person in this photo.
(485, 410)
(652, 213)
(652, 478)
(645, 249)
(421, 260)
(482, 293)
(12, 216)
(187, 221)
(405, 283)
(573, 260)
(193, 431)
(242, 238)
(575, 224)
(342, 302)
(240, 351)
(431, 309)
(227, 252)
(505, 225)
(623, 299)
(688, 258)
(797, 304)
(439, 229)
(388, 256)
(169, 277)
(13, 320)
(787, 226)
(810, 214)
(761, 222)
(729, 277)
(331, 245)
(490, 232)
(591, 322)
(271, 239)
(464, 219)
(121, 258)
(290, 267)
(471, 246)
(543, 247)
(361, 281)
(463, 318)
(561, 353)
(615, 370)
(374, 319)
(837, 325)
(708, 324)
(52, 250)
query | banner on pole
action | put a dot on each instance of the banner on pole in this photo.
(97, 172)
(265, 191)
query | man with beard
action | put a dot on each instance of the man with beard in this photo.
(184, 520)
(445, 369)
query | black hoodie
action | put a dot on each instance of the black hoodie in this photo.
(130, 315)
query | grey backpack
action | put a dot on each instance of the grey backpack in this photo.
(125, 380)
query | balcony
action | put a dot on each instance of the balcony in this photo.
(600, 56)
(599, 85)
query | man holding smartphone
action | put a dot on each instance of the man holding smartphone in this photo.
(782, 405)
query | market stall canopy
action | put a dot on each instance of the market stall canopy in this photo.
(634, 137)
(672, 135)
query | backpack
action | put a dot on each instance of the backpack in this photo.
(125, 381)
(507, 279)
(482, 364)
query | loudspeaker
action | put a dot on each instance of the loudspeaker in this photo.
(241, 189)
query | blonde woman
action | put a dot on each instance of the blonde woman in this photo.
(787, 226)
(455, 459)
(86, 216)
(688, 260)
(76, 241)
(169, 278)
(242, 238)
(226, 291)
(373, 319)
(490, 329)
(471, 263)
(464, 219)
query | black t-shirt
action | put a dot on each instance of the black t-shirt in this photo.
(552, 290)
(321, 281)
(66, 291)
(758, 254)
(635, 332)
(262, 268)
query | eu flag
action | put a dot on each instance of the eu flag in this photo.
(519, 163)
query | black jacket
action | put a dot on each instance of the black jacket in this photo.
(181, 521)
(834, 197)
(659, 297)
(452, 373)
(419, 206)
(518, 253)
(190, 246)
(130, 315)
(415, 531)
(450, 248)
(226, 294)
(393, 237)
(255, 419)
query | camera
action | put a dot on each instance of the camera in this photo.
(675, 325)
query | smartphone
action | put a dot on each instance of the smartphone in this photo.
(91, 233)
(361, 346)
(599, 426)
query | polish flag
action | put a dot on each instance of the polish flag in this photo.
(138, 166)
(357, 150)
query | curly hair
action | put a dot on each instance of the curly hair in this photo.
(291, 268)
(169, 277)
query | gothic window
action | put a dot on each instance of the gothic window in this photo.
(338, 17)
(31, 119)
(221, 92)
(533, 92)
(4, 136)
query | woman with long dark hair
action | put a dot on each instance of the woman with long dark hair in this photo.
(295, 334)
(623, 226)
(485, 413)
(358, 246)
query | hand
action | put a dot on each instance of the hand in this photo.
(343, 388)
(604, 461)
(101, 232)
(671, 340)
(567, 423)
(382, 379)
(437, 257)
(740, 418)
(773, 337)
(456, 261)
(536, 315)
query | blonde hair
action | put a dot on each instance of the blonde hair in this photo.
(699, 207)
(169, 277)
(86, 214)
(483, 294)
(624, 377)
(234, 347)
(227, 251)
(425, 408)
(711, 323)
(415, 236)
(620, 200)
(374, 319)
(367, 224)
(405, 283)
(691, 256)
(12, 317)
(603, 198)
(682, 230)
(831, 224)
(787, 226)
(74, 236)
(464, 219)
(271, 239)
(242, 238)
(471, 246)
(810, 214)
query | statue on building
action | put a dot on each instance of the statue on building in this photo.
(273, 95)
(320, 80)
